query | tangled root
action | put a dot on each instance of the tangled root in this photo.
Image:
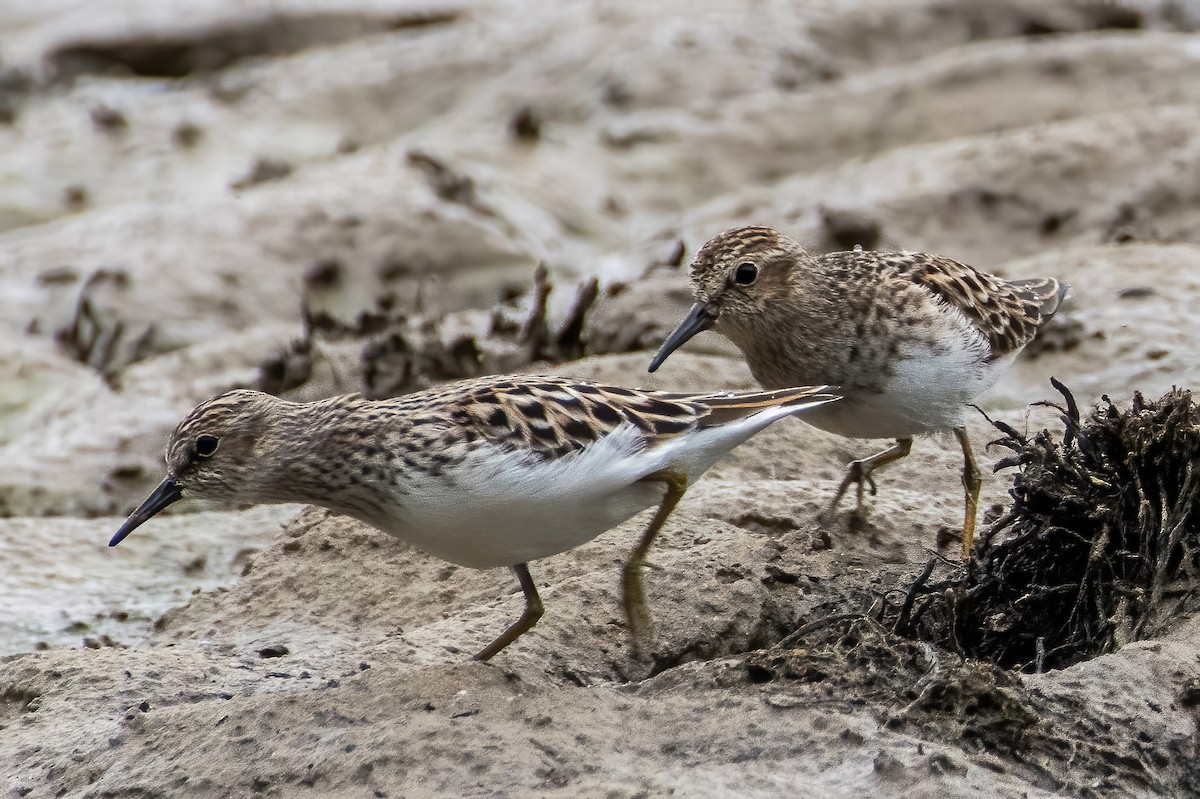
(1100, 546)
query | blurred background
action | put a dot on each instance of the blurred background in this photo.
(319, 197)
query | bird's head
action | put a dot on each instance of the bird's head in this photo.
(213, 454)
(739, 281)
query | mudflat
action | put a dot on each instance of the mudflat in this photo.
(323, 198)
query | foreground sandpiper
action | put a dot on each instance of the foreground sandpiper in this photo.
(496, 471)
(909, 338)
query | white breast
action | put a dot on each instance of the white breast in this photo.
(933, 381)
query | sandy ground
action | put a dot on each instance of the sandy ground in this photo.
(178, 179)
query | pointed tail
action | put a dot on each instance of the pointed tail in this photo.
(1046, 292)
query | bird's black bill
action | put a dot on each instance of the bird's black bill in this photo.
(167, 492)
(697, 320)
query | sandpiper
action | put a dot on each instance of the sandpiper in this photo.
(909, 338)
(496, 471)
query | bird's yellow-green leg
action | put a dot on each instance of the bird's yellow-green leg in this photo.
(972, 482)
(533, 612)
(636, 613)
(860, 472)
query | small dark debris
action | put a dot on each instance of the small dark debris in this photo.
(1082, 16)
(1034, 26)
(187, 135)
(210, 48)
(675, 257)
(887, 765)
(129, 471)
(76, 198)
(325, 273)
(988, 198)
(274, 651)
(777, 575)
(1051, 224)
(15, 85)
(1115, 16)
(1130, 223)
(165, 58)
(286, 370)
(763, 524)
(57, 276)
(1189, 693)
(195, 565)
(447, 183)
(108, 119)
(525, 125)
(614, 206)
(729, 575)
(759, 674)
(617, 94)
(263, 171)
(93, 339)
(846, 229)
(395, 268)
(144, 706)
(943, 764)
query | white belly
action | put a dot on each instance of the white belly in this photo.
(482, 532)
(930, 390)
(498, 509)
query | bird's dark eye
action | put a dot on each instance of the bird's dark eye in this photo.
(746, 273)
(206, 445)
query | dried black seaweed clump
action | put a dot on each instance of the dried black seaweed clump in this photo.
(394, 350)
(1101, 544)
